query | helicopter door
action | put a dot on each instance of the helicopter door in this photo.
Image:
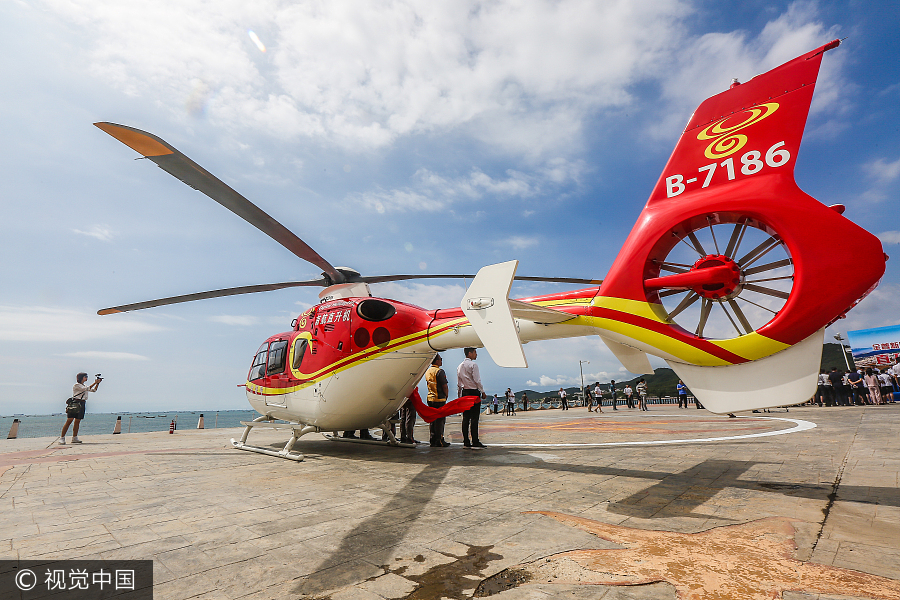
(334, 330)
(332, 333)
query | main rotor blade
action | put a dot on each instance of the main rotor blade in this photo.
(181, 167)
(247, 289)
(384, 278)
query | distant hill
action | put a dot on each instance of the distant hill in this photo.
(664, 380)
(661, 383)
(831, 357)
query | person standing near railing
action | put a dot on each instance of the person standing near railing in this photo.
(641, 388)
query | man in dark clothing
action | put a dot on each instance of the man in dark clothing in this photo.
(857, 387)
(837, 387)
(612, 389)
(438, 390)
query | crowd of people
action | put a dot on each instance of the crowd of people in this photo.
(836, 387)
(861, 386)
(594, 395)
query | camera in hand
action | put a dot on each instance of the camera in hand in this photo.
(98, 376)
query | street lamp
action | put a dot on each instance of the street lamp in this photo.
(580, 370)
(843, 350)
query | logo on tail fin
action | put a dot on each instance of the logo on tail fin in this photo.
(726, 140)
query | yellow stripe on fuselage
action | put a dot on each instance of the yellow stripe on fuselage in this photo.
(350, 361)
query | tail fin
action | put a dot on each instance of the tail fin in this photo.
(733, 167)
(766, 115)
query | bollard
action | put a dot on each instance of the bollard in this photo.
(14, 430)
(200, 422)
(172, 426)
(118, 427)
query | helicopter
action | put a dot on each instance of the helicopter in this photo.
(722, 276)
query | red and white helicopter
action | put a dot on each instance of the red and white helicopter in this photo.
(726, 237)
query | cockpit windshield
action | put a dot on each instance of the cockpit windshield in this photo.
(277, 357)
(258, 368)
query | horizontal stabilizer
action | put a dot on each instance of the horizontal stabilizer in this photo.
(782, 379)
(537, 314)
(486, 305)
(634, 360)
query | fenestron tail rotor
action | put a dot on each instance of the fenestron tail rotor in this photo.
(735, 274)
(183, 168)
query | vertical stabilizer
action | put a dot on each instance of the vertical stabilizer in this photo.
(486, 305)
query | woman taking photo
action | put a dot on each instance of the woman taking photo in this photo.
(79, 393)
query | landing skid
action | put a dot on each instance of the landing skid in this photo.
(336, 438)
(385, 428)
(298, 430)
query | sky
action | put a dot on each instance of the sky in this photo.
(393, 137)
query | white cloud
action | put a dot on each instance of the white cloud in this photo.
(882, 171)
(100, 232)
(426, 295)
(882, 174)
(43, 324)
(889, 237)
(240, 320)
(545, 381)
(517, 242)
(879, 309)
(431, 192)
(704, 66)
(105, 355)
(519, 75)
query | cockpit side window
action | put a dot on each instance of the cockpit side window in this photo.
(299, 351)
(258, 368)
(277, 357)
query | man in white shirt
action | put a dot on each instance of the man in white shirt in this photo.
(598, 394)
(562, 399)
(887, 387)
(468, 383)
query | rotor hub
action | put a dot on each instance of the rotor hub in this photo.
(726, 283)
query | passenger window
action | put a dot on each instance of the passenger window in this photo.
(258, 368)
(299, 351)
(277, 357)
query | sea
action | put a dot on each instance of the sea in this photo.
(31, 426)
(97, 423)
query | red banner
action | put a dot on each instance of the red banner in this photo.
(454, 407)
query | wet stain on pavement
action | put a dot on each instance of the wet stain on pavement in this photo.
(453, 579)
(506, 579)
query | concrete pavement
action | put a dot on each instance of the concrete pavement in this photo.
(367, 522)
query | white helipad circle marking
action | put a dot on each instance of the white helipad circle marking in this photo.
(799, 425)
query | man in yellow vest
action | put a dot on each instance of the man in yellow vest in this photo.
(438, 390)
